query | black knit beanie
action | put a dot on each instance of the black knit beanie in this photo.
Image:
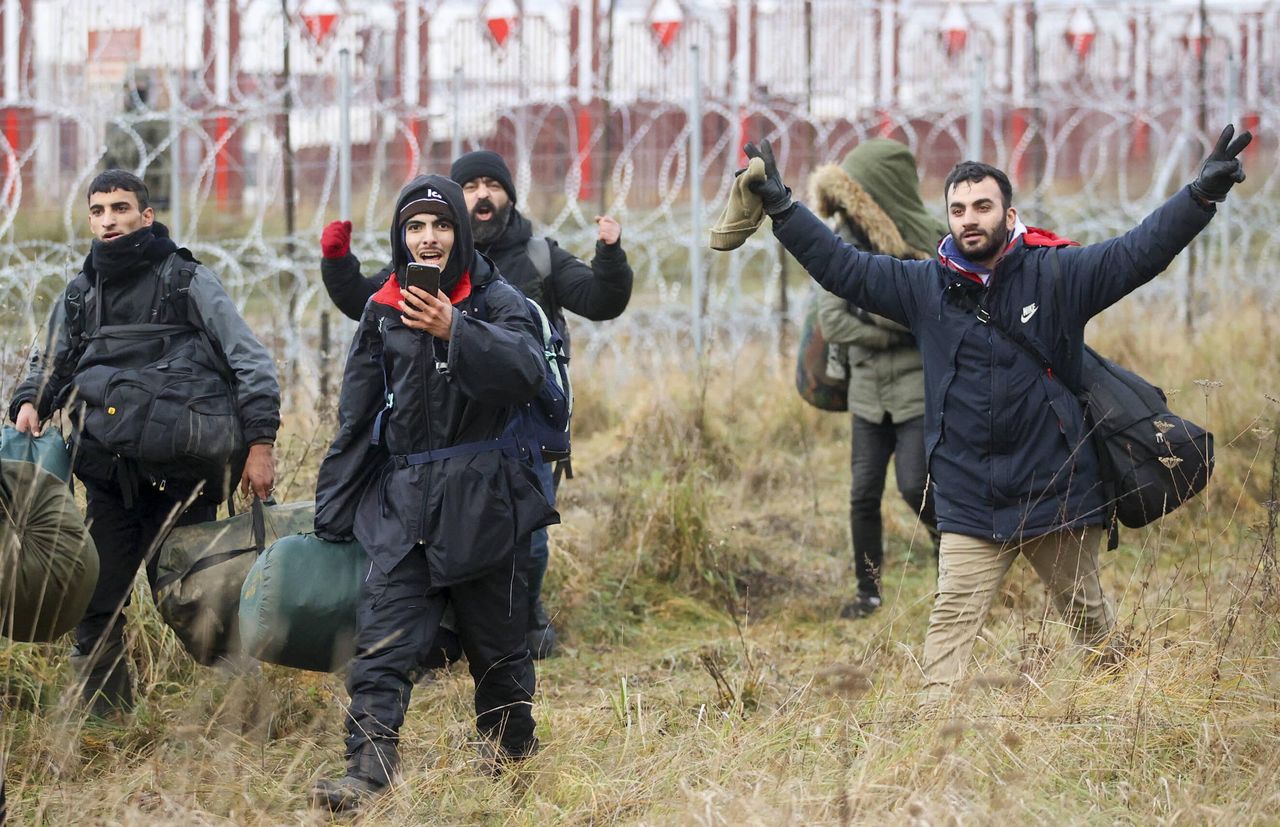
(482, 163)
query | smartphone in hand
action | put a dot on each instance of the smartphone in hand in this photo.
(425, 277)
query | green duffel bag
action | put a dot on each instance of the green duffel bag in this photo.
(48, 562)
(48, 451)
(298, 604)
(201, 569)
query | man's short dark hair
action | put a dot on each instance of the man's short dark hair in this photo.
(975, 171)
(119, 179)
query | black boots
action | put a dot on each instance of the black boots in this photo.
(106, 688)
(541, 637)
(346, 794)
(864, 605)
(369, 774)
(492, 759)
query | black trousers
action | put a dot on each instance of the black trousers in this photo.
(126, 538)
(397, 621)
(873, 444)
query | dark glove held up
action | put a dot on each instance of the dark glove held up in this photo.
(1222, 169)
(335, 241)
(774, 195)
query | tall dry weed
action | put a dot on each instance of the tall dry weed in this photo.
(707, 680)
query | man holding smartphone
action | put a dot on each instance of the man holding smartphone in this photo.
(538, 267)
(423, 474)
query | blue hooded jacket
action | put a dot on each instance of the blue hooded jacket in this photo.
(1006, 442)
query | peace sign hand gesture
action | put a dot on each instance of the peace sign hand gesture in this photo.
(1222, 169)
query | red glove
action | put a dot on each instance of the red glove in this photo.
(335, 241)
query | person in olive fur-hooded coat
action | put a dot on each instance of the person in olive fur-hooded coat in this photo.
(873, 201)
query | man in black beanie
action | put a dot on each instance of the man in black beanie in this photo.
(538, 267)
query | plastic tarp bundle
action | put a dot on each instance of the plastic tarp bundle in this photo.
(202, 567)
(298, 605)
(48, 452)
(48, 562)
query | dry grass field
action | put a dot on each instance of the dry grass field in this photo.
(706, 677)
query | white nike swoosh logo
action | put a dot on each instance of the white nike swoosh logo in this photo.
(1028, 312)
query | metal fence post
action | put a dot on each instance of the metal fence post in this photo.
(344, 134)
(975, 107)
(456, 92)
(1224, 209)
(695, 194)
(344, 203)
(175, 157)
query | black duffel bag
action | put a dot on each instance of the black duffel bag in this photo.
(1152, 460)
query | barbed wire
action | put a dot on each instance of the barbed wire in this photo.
(1095, 135)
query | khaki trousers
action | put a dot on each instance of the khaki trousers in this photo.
(969, 573)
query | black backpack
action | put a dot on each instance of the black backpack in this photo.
(1151, 460)
(160, 393)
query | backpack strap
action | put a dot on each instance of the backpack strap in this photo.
(463, 449)
(538, 249)
(378, 353)
(176, 274)
(74, 309)
(1016, 337)
(539, 252)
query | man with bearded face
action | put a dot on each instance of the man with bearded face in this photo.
(1006, 443)
(599, 291)
(130, 501)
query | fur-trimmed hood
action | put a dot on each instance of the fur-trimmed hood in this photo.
(876, 189)
(833, 192)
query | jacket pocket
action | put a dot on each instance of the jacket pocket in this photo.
(192, 419)
(118, 422)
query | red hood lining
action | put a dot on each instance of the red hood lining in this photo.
(1036, 237)
(390, 294)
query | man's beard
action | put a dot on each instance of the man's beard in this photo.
(989, 250)
(487, 232)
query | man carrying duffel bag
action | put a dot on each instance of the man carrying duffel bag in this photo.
(428, 475)
(171, 399)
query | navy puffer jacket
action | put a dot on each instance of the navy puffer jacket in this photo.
(1005, 441)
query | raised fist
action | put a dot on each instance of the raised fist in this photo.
(335, 241)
